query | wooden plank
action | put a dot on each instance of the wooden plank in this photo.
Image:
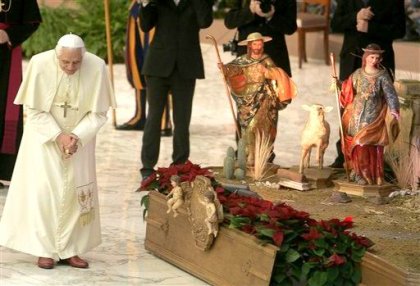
(235, 258)
(363, 190)
(377, 271)
(295, 185)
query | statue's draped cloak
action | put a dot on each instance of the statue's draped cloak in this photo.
(258, 96)
(366, 100)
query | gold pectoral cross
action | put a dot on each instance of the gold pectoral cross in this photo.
(65, 106)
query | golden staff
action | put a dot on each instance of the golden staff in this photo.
(343, 142)
(109, 50)
(226, 85)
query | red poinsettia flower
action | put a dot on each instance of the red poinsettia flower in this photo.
(235, 210)
(346, 223)
(148, 181)
(302, 215)
(335, 259)
(312, 234)
(278, 238)
(329, 227)
(361, 240)
(364, 241)
(187, 173)
(279, 212)
(248, 229)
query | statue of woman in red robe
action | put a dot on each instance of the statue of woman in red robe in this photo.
(366, 97)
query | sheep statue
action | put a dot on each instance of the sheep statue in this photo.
(316, 133)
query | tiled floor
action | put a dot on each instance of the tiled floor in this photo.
(121, 259)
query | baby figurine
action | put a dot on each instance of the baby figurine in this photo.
(211, 219)
(176, 194)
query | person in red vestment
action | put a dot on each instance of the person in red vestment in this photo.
(366, 96)
(19, 19)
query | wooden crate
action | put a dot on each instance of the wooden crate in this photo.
(235, 258)
(377, 271)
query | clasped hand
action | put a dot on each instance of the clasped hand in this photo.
(255, 8)
(363, 17)
(365, 14)
(67, 144)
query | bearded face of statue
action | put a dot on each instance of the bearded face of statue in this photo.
(256, 49)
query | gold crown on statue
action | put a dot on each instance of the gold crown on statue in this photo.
(373, 48)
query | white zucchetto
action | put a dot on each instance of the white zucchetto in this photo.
(71, 41)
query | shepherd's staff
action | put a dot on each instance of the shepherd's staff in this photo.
(226, 85)
(109, 49)
(343, 142)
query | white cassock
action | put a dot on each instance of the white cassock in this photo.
(52, 206)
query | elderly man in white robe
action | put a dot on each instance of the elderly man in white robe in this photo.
(51, 210)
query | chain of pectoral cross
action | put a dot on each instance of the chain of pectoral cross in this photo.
(3, 5)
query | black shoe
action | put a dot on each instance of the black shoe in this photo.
(145, 173)
(1, 185)
(166, 132)
(338, 163)
(145, 179)
(271, 159)
(136, 127)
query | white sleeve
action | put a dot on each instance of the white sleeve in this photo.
(43, 123)
(89, 126)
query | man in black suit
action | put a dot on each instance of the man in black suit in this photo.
(363, 22)
(275, 20)
(173, 63)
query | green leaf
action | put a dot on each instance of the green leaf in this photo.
(318, 279)
(340, 248)
(357, 254)
(357, 276)
(289, 236)
(338, 281)
(321, 243)
(264, 217)
(145, 202)
(284, 247)
(266, 232)
(238, 221)
(291, 221)
(279, 278)
(319, 251)
(333, 273)
(87, 22)
(347, 270)
(292, 255)
(306, 267)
